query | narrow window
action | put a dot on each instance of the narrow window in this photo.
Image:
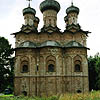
(37, 67)
(49, 21)
(44, 22)
(25, 68)
(78, 66)
(51, 68)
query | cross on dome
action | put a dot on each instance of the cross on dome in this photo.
(29, 2)
(72, 2)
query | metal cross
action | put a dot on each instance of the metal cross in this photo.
(29, 2)
(72, 2)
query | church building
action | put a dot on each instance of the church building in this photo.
(49, 61)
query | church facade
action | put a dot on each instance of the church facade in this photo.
(50, 62)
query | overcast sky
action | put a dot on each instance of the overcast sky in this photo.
(11, 18)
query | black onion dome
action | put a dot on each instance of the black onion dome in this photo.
(66, 18)
(72, 8)
(49, 4)
(29, 10)
(36, 19)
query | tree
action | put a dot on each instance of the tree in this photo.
(6, 63)
(94, 72)
(98, 71)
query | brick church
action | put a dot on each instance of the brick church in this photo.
(50, 62)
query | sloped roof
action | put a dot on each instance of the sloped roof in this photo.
(50, 43)
(28, 44)
(74, 44)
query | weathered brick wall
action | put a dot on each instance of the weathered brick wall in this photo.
(42, 82)
(61, 38)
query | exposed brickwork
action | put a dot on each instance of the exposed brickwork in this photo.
(42, 82)
(51, 68)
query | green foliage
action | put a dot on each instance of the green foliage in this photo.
(94, 72)
(6, 64)
(95, 95)
(10, 97)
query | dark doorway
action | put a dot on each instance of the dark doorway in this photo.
(79, 91)
(24, 93)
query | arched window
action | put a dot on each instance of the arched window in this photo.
(78, 66)
(51, 68)
(50, 64)
(24, 67)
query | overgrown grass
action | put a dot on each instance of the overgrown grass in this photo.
(87, 96)
(11, 95)
(95, 95)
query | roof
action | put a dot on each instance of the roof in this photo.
(29, 10)
(72, 8)
(28, 44)
(50, 43)
(74, 44)
(49, 4)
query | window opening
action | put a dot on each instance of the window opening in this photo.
(79, 91)
(51, 68)
(25, 68)
(77, 68)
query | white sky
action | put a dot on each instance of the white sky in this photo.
(11, 18)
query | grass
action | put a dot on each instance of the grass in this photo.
(11, 95)
(95, 95)
(87, 96)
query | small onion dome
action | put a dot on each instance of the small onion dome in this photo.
(72, 8)
(49, 4)
(66, 18)
(37, 19)
(29, 10)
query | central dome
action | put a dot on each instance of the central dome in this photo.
(49, 4)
